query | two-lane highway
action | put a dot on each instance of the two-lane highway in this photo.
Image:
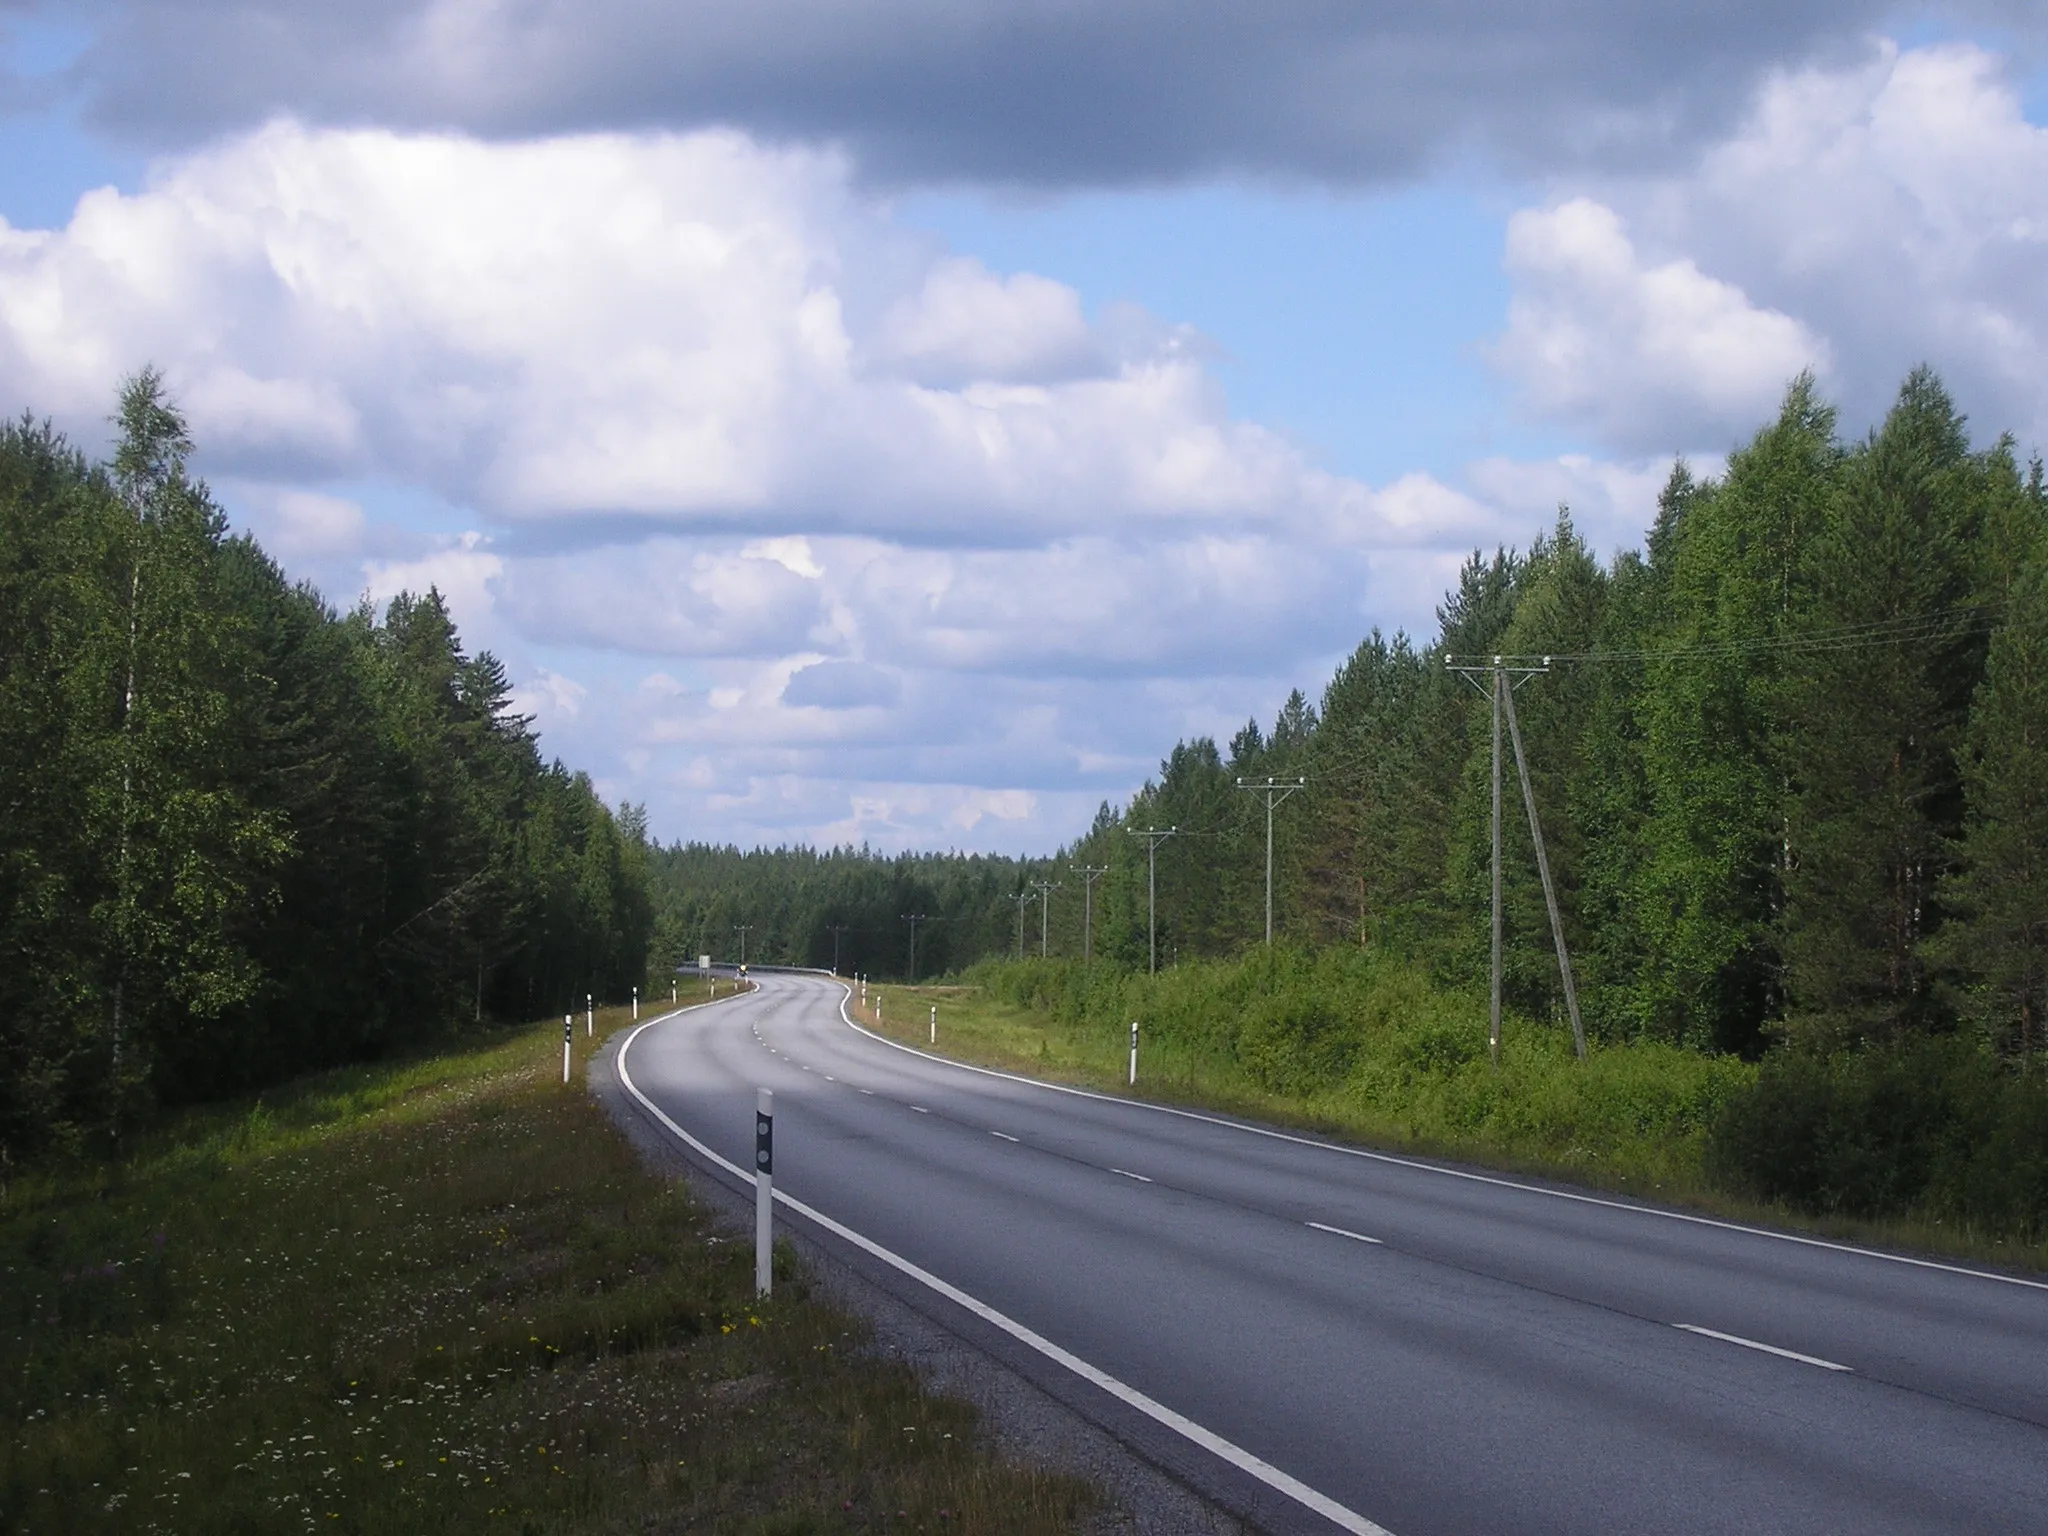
(1403, 1346)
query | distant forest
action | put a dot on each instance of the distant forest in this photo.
(1790, 759)
(244, 835)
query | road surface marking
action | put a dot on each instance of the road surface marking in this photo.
(1004, 1134)
(1769, 1349)
(1449, 1173)
(1356, 1237)
(1130, 1175)
(920, 1109)
(1224, 1450)
(869, 1092)
(830, 1078)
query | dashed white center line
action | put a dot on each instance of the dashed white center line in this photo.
(920, 1109)
(1130, 1175)
(1769, 1349)
(1004, 1134)
(1356, 1237)
(869, 1092)
(830, 1078)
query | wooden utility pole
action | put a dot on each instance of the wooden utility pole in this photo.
(1504, 674)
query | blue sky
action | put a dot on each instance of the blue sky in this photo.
(1353, 323)
(848, 429)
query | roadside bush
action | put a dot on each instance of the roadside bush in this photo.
(1437, 1048)
(1295, 1043)
(1935, 1127)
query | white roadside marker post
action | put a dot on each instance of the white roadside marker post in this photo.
(935, 1023)
(568, 1031)
(636, 1003)
(764, 1190)
(589, 1016)
(671, 991)
(1134, 1053)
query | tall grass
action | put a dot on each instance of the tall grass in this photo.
(443, 1296)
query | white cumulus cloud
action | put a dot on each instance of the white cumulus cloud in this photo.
(693, 331)
(784, 519)
(1861, 219)
(1635, 348)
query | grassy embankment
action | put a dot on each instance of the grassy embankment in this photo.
(1366, 1050)
(443, 1295)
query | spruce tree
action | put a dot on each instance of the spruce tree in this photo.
(1709, 891)
(1868, 738)
(1998, 937)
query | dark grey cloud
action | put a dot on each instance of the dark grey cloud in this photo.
(1045, 93)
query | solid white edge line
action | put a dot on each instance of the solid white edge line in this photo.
(1356, 1237)
(1769, 1349)
(1224, 1450)
(1449, 1173)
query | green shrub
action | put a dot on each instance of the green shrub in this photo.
(1295, 1043)
(1438, 1047)
(1934, 1127)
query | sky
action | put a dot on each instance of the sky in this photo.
(899, 422)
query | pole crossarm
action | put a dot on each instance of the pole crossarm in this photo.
(1273, 791)
(1505, 662)
(1520, 668)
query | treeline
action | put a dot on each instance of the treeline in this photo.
(845, 906)
(1790, 760)
(245, 835)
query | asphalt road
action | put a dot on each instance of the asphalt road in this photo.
(1407, 1347)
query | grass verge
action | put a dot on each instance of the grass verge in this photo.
(1405, 1069)
(444, 1296)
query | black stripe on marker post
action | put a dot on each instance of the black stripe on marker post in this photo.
(764, 1190)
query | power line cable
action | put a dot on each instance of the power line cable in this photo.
(1944, 624)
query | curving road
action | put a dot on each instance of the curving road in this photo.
(1327, 1339)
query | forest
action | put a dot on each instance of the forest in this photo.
(1787, 757)
(1790, 763)
(244, 835)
